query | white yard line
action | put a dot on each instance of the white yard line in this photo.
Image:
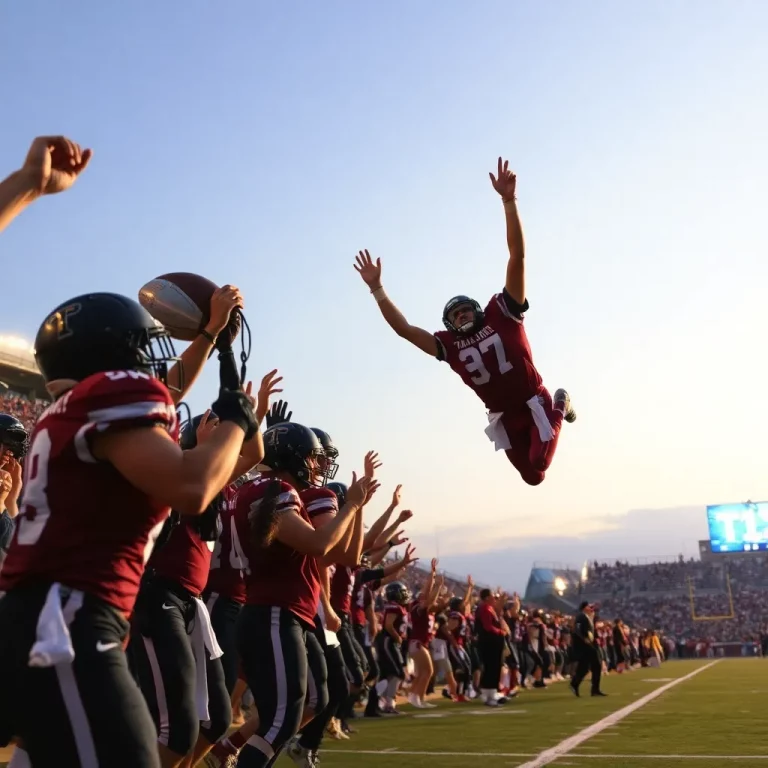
(568, 745)
(397, 752)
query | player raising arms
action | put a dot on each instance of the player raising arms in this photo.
(489, 349)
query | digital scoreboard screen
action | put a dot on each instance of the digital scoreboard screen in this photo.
(739, 527)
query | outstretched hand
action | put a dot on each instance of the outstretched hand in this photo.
(279, 413)
(506, 182)
(53, 164)
(266, 390)
(370, 272)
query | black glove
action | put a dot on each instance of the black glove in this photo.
(229, 378)
(234, 405)
(278, 413)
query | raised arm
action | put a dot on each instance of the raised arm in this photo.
(52, 165)
(371, 274)
(505, 184)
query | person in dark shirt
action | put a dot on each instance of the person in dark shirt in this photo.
(491, 634)
(585, 650)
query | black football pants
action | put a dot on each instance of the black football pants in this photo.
(95, 714)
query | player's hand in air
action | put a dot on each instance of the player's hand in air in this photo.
(53, 164)
(371, 463)
(223, 301)
(279, 413)
(396, 496)
(433, 565)
(404, 516)
(206, 426)
(409, 558)
(266, 390)
(370, 272)
(398, 539)
(358, 490)
(506, 181)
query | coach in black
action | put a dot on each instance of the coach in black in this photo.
(585, 650)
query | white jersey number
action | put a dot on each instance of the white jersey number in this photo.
(472, 357)
(35, 512)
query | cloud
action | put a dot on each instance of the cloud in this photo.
(505, 555)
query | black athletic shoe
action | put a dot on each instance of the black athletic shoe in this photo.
(562, 401)
(599, 693)
(574, 690)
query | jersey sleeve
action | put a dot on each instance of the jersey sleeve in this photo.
(127, 399)
(442, 338)
(503, 305)
(323, 501)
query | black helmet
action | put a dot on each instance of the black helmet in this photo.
(340, 489)
(466, 330)
(288, 448)
(13, 436)
(456, 604)
(330, 450)
(101, 332)
(397, 592)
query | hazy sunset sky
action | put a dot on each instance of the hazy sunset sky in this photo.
(263, 144)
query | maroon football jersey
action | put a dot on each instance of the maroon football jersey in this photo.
(278, 575)
(400, 613)
(496, 362)
(422, 623)
(363, 597)
(185, 558)
(82, 523)
(319, 501)
(342, 587)
(226, 576)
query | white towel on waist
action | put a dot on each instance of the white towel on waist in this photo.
(498, 435)
(53, 644)
(330, 637)
(203, 638)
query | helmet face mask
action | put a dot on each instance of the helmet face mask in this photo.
(463, 316)
(397, 592)
(294, 449)
(327, 466)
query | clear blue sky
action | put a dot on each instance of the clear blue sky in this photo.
(264, 143)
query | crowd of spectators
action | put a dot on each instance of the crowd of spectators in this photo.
(25, 410)
(693, 602)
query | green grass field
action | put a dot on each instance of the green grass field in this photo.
(717, 717)
(714, 718)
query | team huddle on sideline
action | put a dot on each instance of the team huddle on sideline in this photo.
(207, 558)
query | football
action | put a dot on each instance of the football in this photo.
(181, 301)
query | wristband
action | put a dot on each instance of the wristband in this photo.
(380, 295)
(206, 335)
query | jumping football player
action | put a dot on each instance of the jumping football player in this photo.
(489, 349)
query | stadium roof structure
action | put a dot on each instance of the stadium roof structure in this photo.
(18, 353)
(18, 368)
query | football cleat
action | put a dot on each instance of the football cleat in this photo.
(562, 401)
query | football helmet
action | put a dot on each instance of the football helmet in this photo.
(188, 435)
(295, 449)
(13, 436)
(328, 464)
(397, 592)
(340, 489)
(478, 316)
(456, 604)
(99, 332)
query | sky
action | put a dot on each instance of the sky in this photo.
(263, 144)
